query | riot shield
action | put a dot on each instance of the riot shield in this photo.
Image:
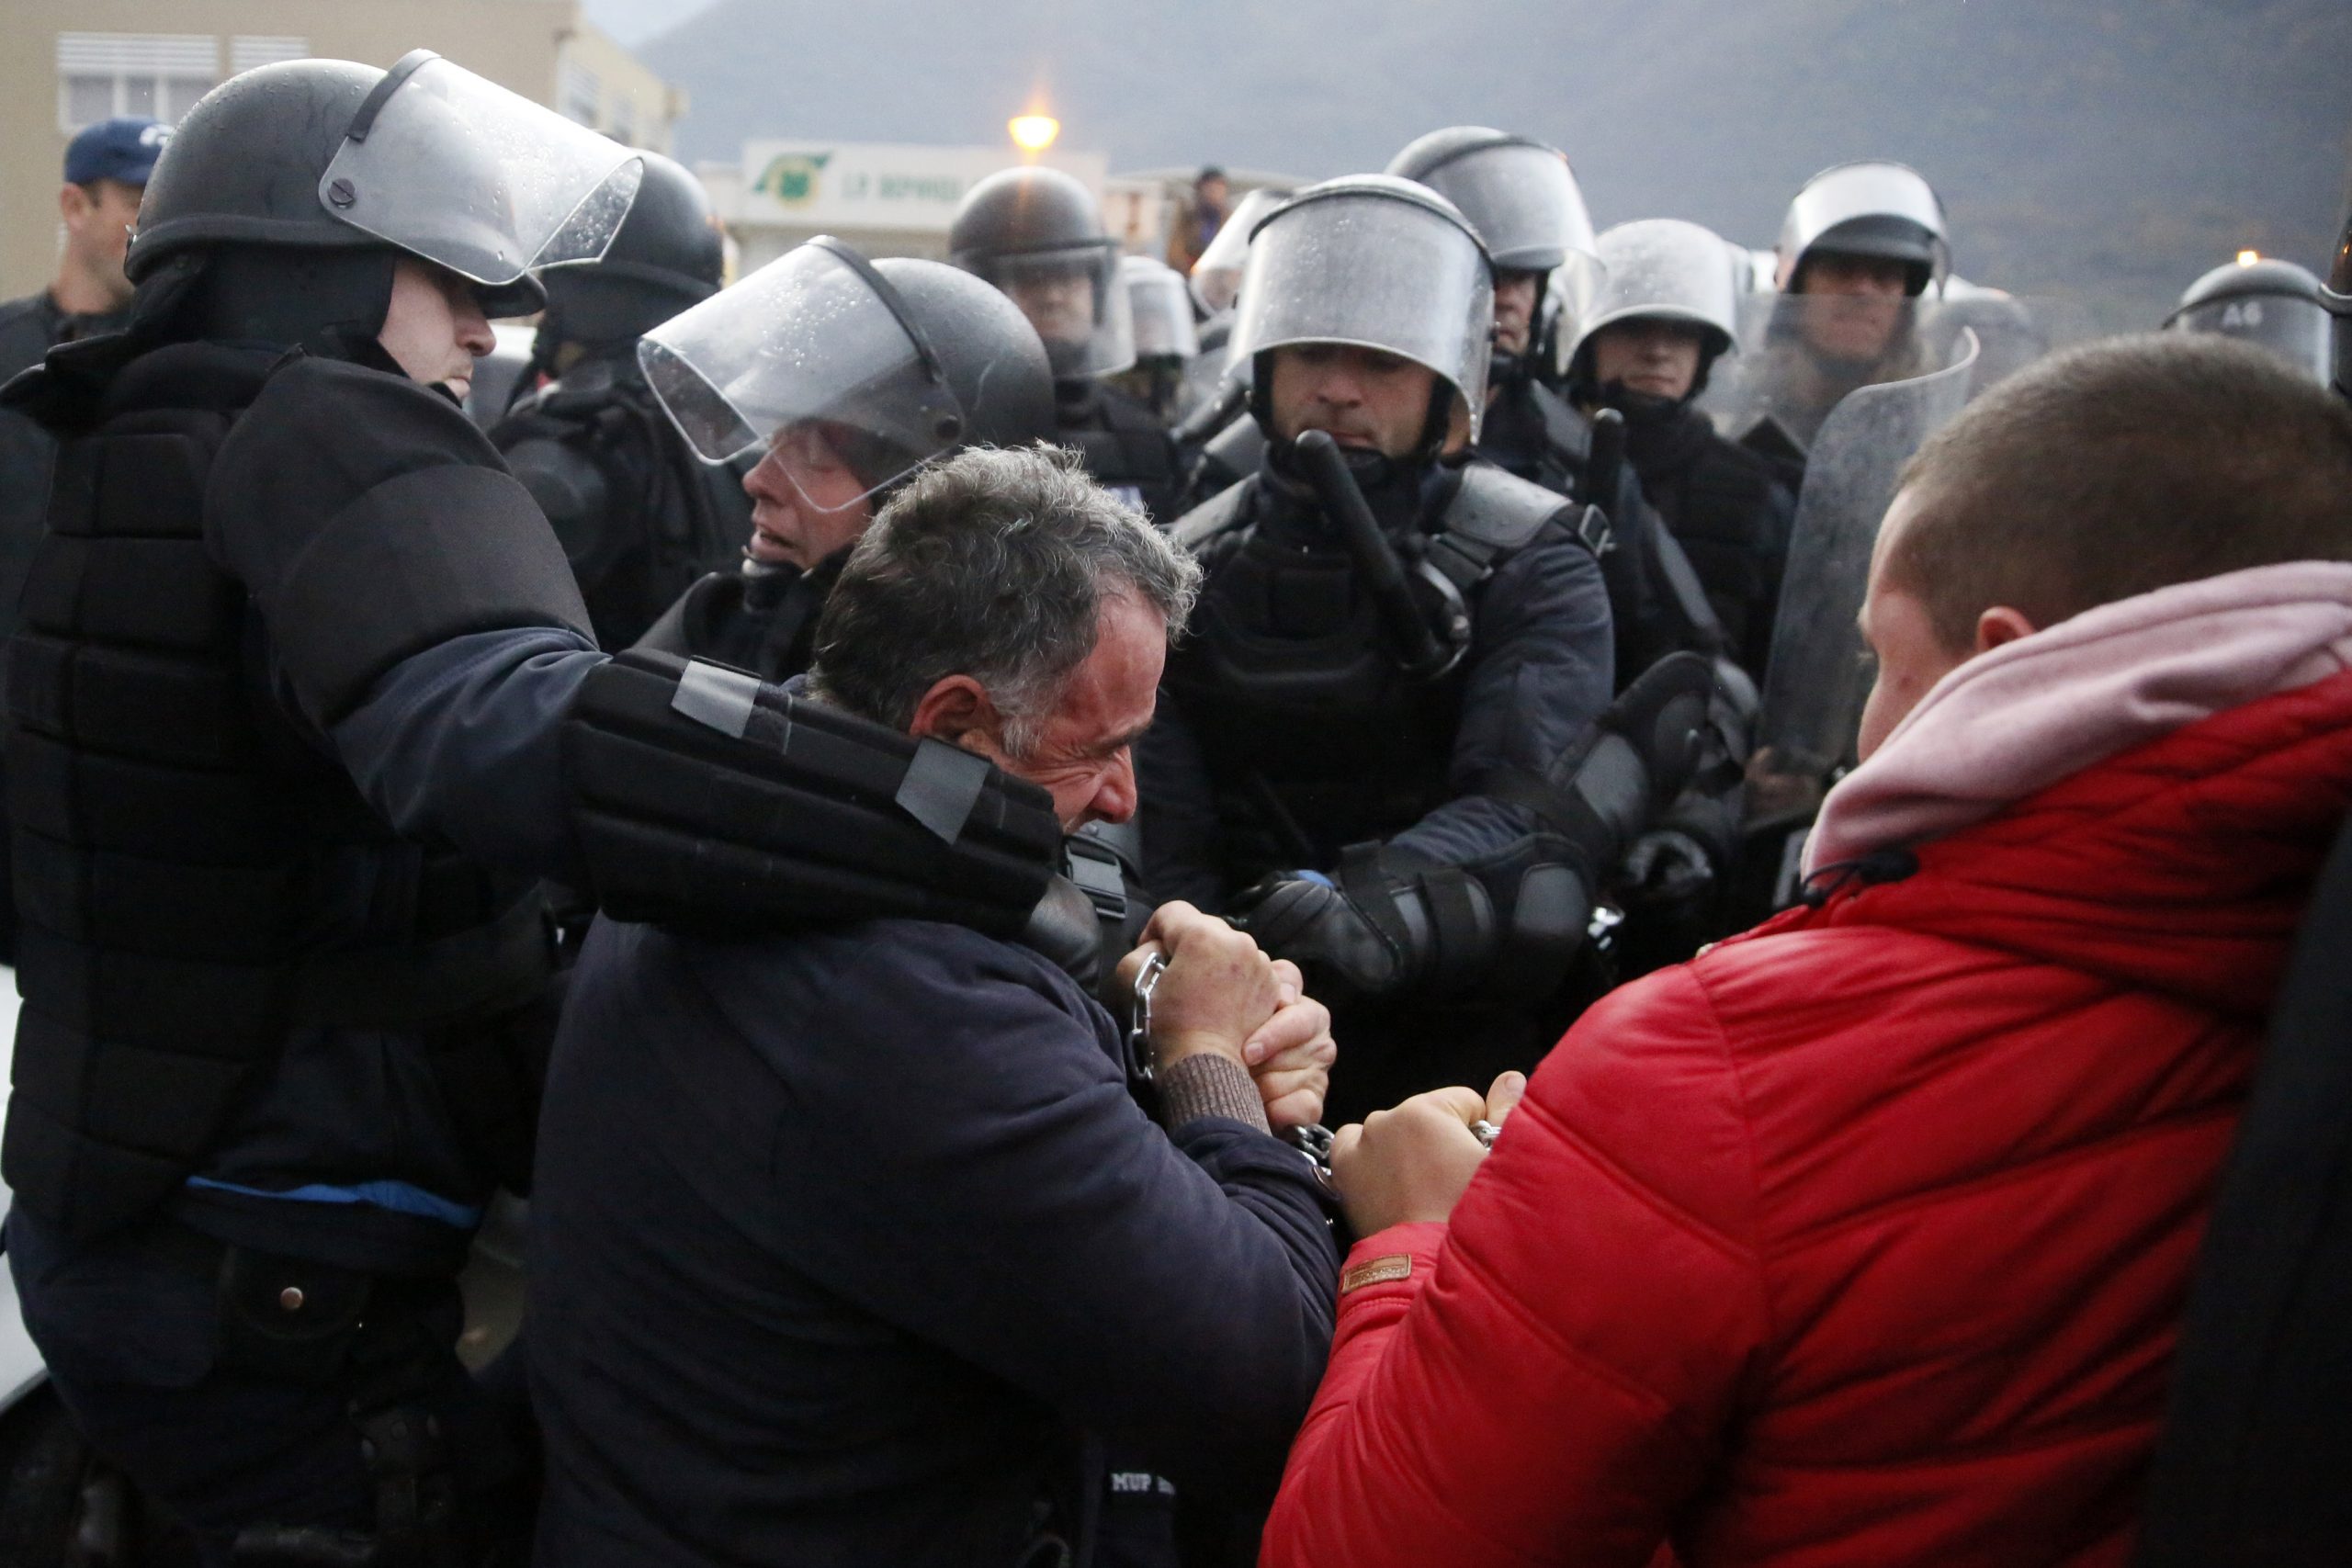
(1775, 377)
(1814, 681)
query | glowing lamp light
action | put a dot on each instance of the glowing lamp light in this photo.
(1034, 132)
(2247, 258)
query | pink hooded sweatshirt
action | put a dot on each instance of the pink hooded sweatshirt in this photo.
(2007, 724)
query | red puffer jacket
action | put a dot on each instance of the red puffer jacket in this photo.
(1860, 1239)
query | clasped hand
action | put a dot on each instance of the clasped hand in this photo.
(1412, 1162)
(1221, 993)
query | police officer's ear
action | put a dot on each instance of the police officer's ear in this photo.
(1457, 423)
(958, 710)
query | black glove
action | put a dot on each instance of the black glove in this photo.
(1321, 930)
(1666, 870)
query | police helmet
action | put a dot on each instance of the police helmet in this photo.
(1376, 261)
(1216, 276)
(1162, 306)
(427, 158)
(1518, 193)
(1875, 209)
(667, 256)
(2272, 304)
(896, 362)
(1523, 199)
(1663, 269)
(1031, 231)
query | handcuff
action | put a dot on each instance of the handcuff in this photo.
(1313, 1141)
(1146, 980)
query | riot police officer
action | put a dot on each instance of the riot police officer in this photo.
(1522, 198)
(1038, 234)
(1663, 315)
(2272, 304)
(639, 517)
(1168, 338)
(303, 702)
(827, 466)
(1861, 246)
(1371, 747)
(1523, 201)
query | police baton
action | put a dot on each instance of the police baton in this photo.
(1604, 468)
(1326, 473)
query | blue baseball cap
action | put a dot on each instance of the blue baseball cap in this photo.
(124, 148)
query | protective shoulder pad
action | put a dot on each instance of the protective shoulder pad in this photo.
(1564, 428)
(1239, 447)
(1221, 514)
(370, 520)
(1498, 509)
(702, 797)
(568, 484)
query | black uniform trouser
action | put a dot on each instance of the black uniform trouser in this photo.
(132, 1327)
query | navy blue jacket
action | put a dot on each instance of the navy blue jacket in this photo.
(1538, 672)
(839, 1237)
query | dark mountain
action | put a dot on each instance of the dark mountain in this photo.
(2105, 150)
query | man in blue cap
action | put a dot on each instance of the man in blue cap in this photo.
(106, 166)
(105, 174)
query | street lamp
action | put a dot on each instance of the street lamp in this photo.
(1032, 133)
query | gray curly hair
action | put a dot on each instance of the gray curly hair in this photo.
(993, 564)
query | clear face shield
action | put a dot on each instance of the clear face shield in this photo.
(1769, 376)
(1216, 276)
(2298, 331)
(1524, 201)
(1074, 298)
(814, 357)
(1366, 267)
(1161, 308)
(459, 171)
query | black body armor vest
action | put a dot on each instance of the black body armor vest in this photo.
(178, 841)
(1314, 736)
(1124, 444)
(1724, 507)
(761, 620)
(639, 517)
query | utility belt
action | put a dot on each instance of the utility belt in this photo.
(299, 1320)
(390, 1343)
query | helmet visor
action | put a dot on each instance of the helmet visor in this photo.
(814, 342)
(1376, 271)
(1073, 295)
(1216, 276)
(1162, 308)
(1523, 201)
(2296, 331)
(461, 172)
